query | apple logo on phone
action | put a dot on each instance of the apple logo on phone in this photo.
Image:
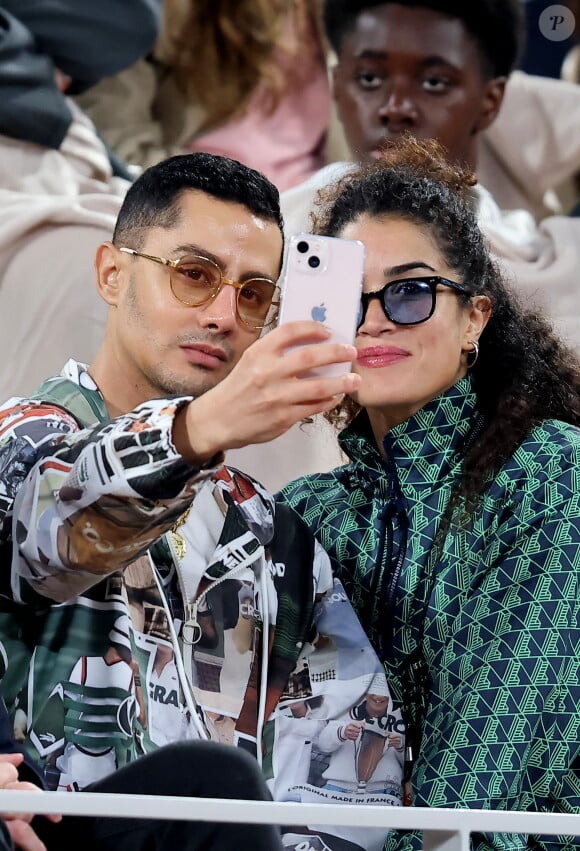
(318, 313)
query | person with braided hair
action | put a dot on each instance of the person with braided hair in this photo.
(455, 527)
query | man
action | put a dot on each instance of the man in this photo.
(439, 69)
(118, 467)
(516, 130)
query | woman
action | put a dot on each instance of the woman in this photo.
(245, 78)
(455, 528)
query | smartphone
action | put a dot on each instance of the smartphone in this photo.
(322, 280)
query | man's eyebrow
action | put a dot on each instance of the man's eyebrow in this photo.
(382, 55)
(192, 248)
(430, 61)
(370, 54)
(406, 267)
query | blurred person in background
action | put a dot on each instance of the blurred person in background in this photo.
(59, 189)
(528, 157)
(242, 78)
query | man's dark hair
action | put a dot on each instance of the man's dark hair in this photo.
(153, 200)
(498, 26)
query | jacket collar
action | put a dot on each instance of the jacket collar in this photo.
(426, 447)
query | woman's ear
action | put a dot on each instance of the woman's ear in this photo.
(108, 266)
(479, 313)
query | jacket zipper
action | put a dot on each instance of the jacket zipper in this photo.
(191, 631)
(181, 672)
(389, 574)
(378, 582)
(390, 591)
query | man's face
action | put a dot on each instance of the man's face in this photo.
(165, 347)
(411, 70)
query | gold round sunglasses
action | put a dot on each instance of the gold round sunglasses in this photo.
(195, 280)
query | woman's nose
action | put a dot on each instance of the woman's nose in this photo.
(376, 321)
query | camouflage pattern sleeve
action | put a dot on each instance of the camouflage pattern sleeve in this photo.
(78, 504)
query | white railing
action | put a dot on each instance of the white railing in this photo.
(443, 829)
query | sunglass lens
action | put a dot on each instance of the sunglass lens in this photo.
(408, 302)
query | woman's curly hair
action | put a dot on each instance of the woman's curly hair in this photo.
(524, 373)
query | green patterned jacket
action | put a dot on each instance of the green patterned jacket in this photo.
(496, 604)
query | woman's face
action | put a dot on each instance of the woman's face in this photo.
(403, 367)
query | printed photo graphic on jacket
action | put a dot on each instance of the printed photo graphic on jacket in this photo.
(221, 620)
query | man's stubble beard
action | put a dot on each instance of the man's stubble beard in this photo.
(171, 384)
(165, 382)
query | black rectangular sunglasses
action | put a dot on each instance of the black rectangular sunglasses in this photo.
(408, 301)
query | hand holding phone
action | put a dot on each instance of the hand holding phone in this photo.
(322, 280)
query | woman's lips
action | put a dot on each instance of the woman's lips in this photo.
(375, 357)
(202, 355)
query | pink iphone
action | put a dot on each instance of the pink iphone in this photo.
(322, 280)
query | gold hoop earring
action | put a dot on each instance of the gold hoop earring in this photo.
(473, 354)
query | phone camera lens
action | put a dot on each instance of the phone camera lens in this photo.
(302, 247)
(314, 262)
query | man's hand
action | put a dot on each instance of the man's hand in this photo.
(18, 824)
(265, 395)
